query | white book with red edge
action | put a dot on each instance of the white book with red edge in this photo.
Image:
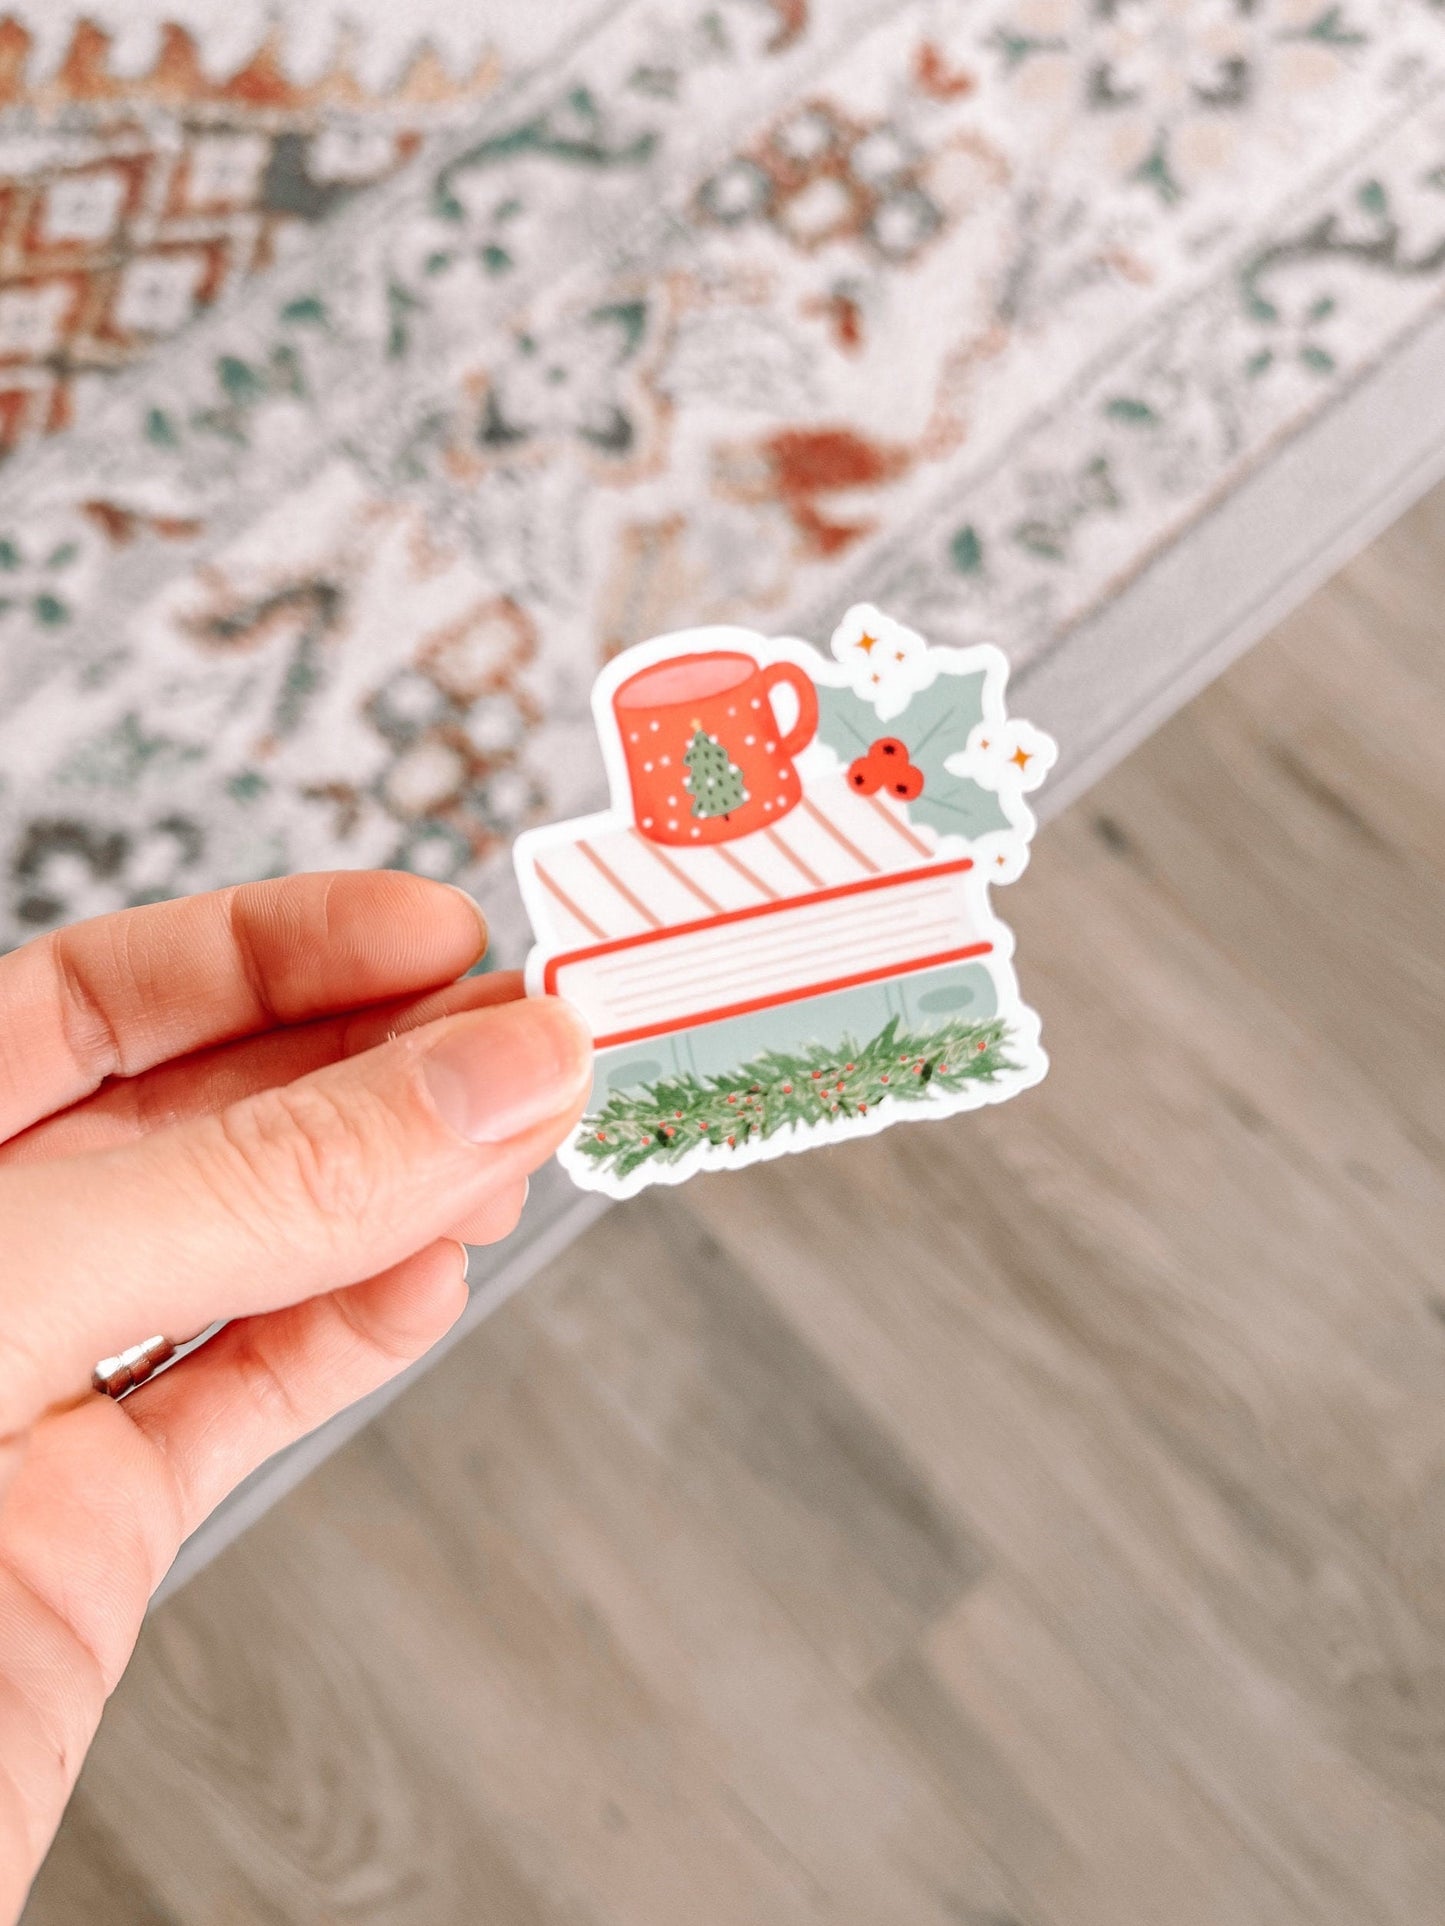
(842, 891)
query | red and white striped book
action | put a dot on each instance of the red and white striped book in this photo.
(646, 940)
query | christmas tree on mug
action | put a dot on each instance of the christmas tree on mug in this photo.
(713, 779)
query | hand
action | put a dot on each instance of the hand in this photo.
(276, 1105)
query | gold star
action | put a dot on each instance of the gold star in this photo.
(866, 642)
(1022, 757)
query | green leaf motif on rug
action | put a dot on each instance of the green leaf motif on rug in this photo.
(308, 310)
(238, 379)
(965, 551)
(574, 131)
(119, 757)
(1373, 198)
(243, 387)
(160, 429)
(1131, 410)
(1330, 28)
(629, 318)
(401, 304)
(1155, 171)
(1017, 47)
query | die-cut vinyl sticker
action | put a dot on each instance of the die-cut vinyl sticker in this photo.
(780, 930)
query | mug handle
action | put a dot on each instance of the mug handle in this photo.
(801, 683)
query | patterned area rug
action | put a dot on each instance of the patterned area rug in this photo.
(715, 310)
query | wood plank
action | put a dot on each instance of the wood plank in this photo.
(91, 1875)
(764, 1441)
(702, 1618)
(1095, 1818)
(545, 1687)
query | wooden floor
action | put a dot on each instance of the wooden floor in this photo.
(1036, 1519)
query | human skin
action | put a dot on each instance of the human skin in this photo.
(282, 1105)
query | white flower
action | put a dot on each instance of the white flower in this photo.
(1014, 755)
(887, 664)
(1000, 857)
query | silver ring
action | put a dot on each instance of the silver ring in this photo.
(115, 1376)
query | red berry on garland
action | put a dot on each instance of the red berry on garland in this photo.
(865, 775)
(907, 784)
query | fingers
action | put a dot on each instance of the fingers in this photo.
(131, 1107)
(266, 1381)
(292, 1192)
(12, 1454)
(114, 996)
(493, 1219)
(95, 1516)
(107, 1492)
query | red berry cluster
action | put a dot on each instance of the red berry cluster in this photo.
(886, 766)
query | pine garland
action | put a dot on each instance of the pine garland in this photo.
(664, 1121)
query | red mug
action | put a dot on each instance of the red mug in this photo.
(706, 757)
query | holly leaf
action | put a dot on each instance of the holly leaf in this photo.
(940, 718)
(957, 806)
(846, 722)
(936, 725)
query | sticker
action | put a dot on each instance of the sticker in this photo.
(780, 931)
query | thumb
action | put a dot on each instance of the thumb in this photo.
(301, 1189)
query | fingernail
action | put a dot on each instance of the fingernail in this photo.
(497, 1072)
(476, 909)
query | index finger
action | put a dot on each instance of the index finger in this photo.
(120, 994)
